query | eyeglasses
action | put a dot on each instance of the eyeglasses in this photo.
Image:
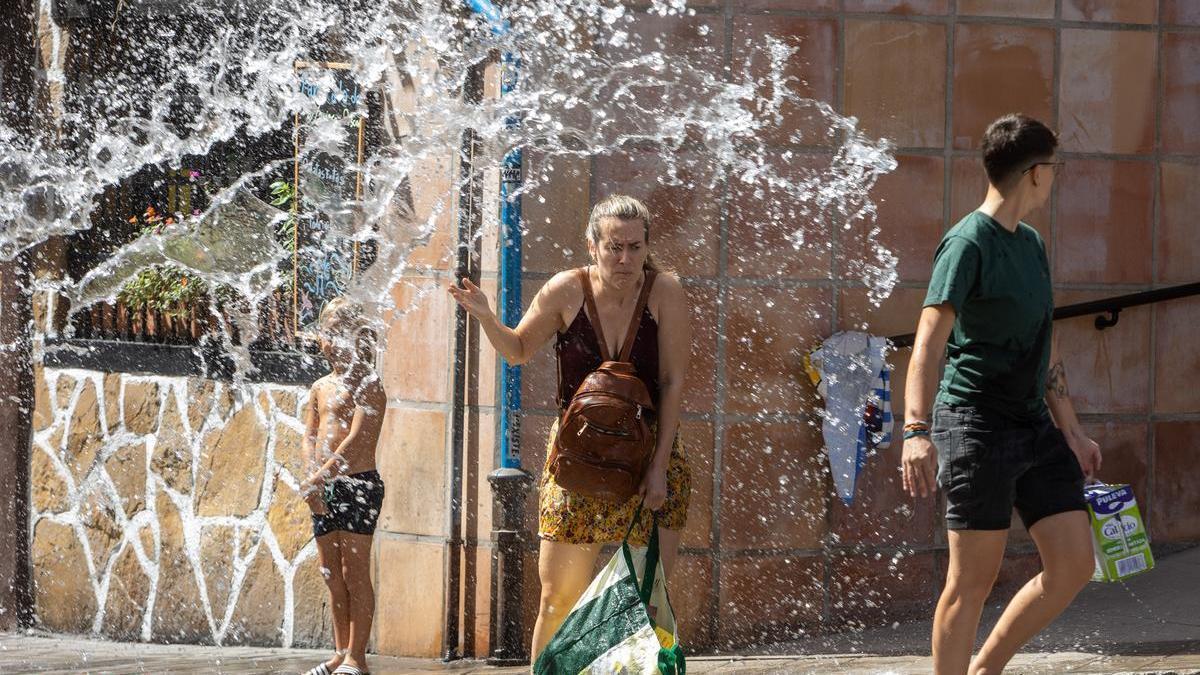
(1056, 166)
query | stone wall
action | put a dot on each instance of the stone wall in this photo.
(165, 509)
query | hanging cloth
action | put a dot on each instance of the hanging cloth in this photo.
(853, 377)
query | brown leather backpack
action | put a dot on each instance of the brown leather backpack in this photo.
(604, 443)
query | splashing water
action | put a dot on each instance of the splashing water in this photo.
(591, 84)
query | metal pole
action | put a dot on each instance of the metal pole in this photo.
(509, 483)
(467, 215)
(19, 107)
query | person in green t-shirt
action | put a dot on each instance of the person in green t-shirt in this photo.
(1002, 432)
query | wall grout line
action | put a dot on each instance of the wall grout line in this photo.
(720, 376)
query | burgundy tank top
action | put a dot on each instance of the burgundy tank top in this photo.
(579, 354)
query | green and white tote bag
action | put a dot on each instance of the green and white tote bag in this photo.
(623, 623)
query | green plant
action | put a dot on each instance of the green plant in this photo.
(167, 288)
(283, 194)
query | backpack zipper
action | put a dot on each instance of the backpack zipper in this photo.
(603, 430)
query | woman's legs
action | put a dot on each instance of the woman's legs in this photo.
(1064, 542)
(329, 556)
(975, 557)
(565, 571)
(356, 570)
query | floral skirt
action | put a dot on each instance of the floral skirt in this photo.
(573, 518)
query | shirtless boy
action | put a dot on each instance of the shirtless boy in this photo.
(342, 422)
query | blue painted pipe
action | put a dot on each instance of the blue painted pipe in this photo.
(489, 12)
(511, 180)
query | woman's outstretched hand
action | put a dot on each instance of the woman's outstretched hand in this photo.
(472, 299)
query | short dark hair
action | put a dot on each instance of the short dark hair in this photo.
(1014, 142)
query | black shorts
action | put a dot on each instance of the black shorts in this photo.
(352, 504)
(987, 464)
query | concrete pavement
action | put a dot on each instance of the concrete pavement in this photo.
(1151, 624)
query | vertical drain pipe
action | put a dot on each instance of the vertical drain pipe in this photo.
(468, 216)
(509, 482)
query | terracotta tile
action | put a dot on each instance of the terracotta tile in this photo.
(767, 334)
(683, 235)
(409, 599)
(873, 589)
(886, 61)
(968, 187)
(811, 70)
(1186, 12)
(416, 364)
(1033, 9)
(899, 6)
(700, 381)
(897, 314)
(1105, 210)
(771, 233)
(698, 443)
(773, 488)
(698, 37)
(1181, 105)
(695, 43)
(556, 213)
(1018, 60)
(1176, 492)
(412, 461)
(791, 5)
(1124, 453)
(1106, 100)
(1175, 362)
(434, 196)
(1116, 11)
(1178, 238)
(773, 598)
(1106, 370)
(909, 223)
(691, 588)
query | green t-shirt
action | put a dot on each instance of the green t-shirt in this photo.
(999, 284)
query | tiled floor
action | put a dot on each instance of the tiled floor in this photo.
(1150, 624)
(58, 654)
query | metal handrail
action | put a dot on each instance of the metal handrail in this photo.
(1108, 308)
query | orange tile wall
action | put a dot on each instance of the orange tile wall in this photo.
(769, 553)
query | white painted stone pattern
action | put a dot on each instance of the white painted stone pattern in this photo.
(165, 509)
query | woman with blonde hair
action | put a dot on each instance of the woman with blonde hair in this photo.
(573, 526)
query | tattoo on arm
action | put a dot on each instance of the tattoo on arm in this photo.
(1056, 381)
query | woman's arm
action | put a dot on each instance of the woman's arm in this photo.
(674, 351)
(919, 457)
(540, 322)
(1058, 399)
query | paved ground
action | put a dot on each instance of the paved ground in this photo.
(1149, 625)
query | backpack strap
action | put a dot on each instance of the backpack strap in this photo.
(589, 301)
(636, 322)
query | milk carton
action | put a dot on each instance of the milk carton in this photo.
(1122, 544)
